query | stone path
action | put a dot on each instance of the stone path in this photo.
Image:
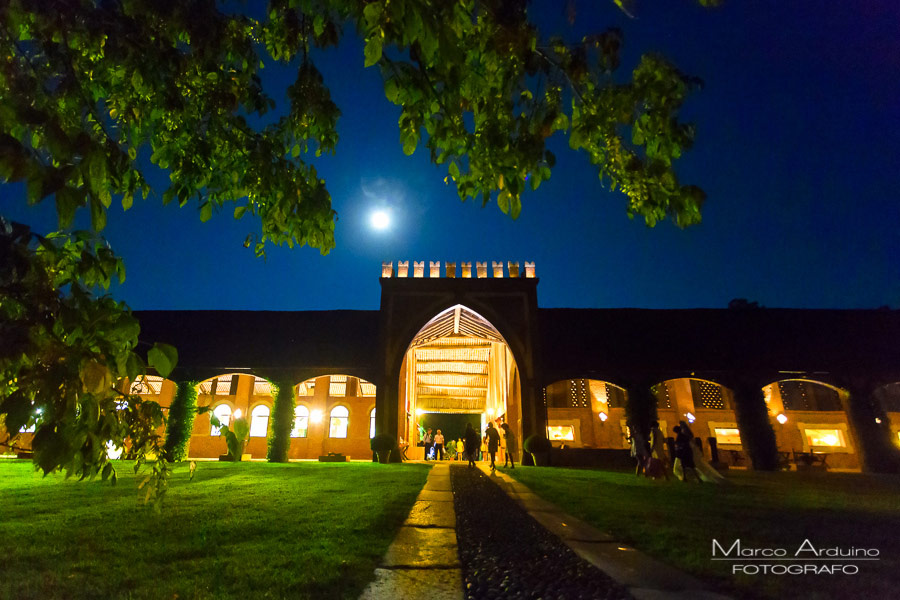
(423, 560)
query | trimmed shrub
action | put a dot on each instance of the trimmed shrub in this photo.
(382, 445)
(757, 435)
(282, 422)
(181, 421)
(640, 409)
(537, 443)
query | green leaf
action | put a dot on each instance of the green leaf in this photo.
(127, 200)
(391, 91)
(410, 142)
(98, 215)
(163, 358)
(17, 408)
(454, 171)
(515, 206)
(372, 50)
(67, 202)
(206, 211)
(503, 199)
(239, 211)
(295, 151)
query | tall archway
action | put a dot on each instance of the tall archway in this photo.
(458, 364)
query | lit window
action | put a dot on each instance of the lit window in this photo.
(259, 421)
(829, 438)
(301, 422)
(372, 424)
(366, 389)
(337, 386)
(340, 417)
(148, 385)
(727, 435)
(223, 413)
(561, 433)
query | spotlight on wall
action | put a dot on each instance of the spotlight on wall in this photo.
(690, 417)
(603, 417)
(490, 412)
(237, 414)
(781, 418)
(419, 412)
(316, 416)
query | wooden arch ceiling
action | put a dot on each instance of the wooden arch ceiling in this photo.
(452, 354)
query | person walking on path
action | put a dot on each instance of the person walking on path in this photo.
(493, 442)
(471, 444)
(510, 438)
(658, 456)
(640, 451)
(429, 443)
(439, 445)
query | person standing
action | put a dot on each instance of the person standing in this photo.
(460, 449)
(471, 443)
(439, 445)
(658, 452)
(510, 438)
(684, 454)
(640, 451)
(429, 443)
(493, 442)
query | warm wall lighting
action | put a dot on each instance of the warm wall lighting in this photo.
(316, 416)
(490, 412)
(603, 417)
(237, 414)
(781, 418)
(419, 412)
(690, 417)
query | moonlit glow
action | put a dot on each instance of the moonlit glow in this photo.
(380, 220)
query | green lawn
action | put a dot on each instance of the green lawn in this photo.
(676, 523)
(251, 530)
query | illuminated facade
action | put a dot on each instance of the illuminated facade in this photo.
(464, 338)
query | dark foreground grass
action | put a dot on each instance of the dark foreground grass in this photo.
(676, 522)
(251, 530)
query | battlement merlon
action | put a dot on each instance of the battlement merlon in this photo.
(450, 271)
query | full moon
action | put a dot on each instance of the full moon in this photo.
(380, 219)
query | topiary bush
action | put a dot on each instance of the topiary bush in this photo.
(282, 422)
(181, 421)
(383, 444)
(537, 443)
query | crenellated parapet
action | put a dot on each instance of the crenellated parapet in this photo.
(452, 271)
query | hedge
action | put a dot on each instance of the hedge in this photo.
(181, 421)
(282, 422)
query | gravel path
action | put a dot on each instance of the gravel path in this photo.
(507, 554)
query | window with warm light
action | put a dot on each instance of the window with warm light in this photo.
(372, 424)
(827, 438)
(259, 421)
(301, 422)
(223, 413)
(727, 435)
(561, 433)
(340, 418)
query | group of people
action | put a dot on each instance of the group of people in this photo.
(652, 457)
(469, 446)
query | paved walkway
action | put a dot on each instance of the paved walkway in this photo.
(423, 562)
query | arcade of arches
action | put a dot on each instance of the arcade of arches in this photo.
(474, 342)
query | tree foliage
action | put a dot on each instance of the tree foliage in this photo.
(65, 354)
(181, 421)
(90, 90)
(95, 94)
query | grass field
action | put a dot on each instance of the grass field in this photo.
(676, 522)
(249, 530)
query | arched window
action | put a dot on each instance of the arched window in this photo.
(340, 417)
(372, 424)
(223, 413)
(301, 421)
(259, 421)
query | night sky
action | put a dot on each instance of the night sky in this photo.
(798, 139)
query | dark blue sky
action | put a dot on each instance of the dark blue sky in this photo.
(798, 149)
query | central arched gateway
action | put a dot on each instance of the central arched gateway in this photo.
(438, 313)
(458, 364)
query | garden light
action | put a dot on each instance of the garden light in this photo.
(690, 417)
(237, 414)
(603, 417)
